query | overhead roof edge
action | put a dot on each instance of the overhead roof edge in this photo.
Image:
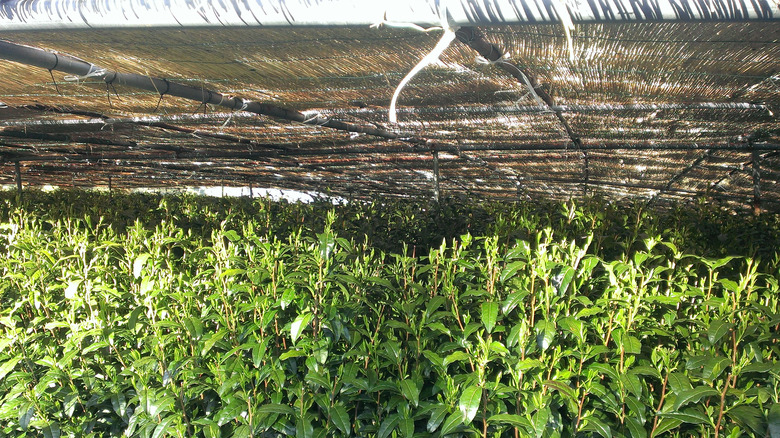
(16, 15)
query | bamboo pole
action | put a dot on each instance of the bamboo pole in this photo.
(681, 174)
(52, 61)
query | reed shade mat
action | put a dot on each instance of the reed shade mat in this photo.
(661, 111)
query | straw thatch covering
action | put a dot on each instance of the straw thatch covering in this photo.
(663, 111)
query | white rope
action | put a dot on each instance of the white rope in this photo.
(93, 72)
(230, 117)
(314, 120)
(526, 81)
(568, 25)
(430, 58)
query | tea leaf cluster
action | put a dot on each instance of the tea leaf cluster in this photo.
(150, 316)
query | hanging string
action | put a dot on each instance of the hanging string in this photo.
(167, 88)
(526, 81)
(56, 63)
(245, 105)
(430, 58)
(567, 23)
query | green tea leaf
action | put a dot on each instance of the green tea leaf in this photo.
(498, 348)
(457, 356)
(288, 296)
(8, 365)
(162, 427)
(718, 328)
(730, 285)
(451, 423)
(629, 344)
(606, 370)
(300, 323)
(406, 426)
(158, 406)
(232, 235)
(316, 378)
(25, 415)
(242, 431)
(512, 301)
(562, 280)
(510, 270)
(410, 391)
(231, 273)
(439, 327)
(304, 428)
(132, 320)
(469, 402)
(433, 305)
(693, 396)
(774, 421)
(714, 367)
(119, 403)
(637, 409)
(276, 408)
(598, 426)
(292, 353)
(545, 334)
(632, 384)
(750, 417)
(636, 428)
(209, 343)
(574, 326)
(437, 416)
(72, 290)
(691, 416)
(52, 430)
(564, 389)
(759, 367)
(644, 370)
(679, 382)
(489, 315)
(138, 264)
(434, 358)
(539, 421)
(341, 419)
(512, 419)
(527, 364)
(589, 311)
(387, 426)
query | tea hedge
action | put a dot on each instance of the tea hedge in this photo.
(151, 316)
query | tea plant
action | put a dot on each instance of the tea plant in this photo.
(184, 316)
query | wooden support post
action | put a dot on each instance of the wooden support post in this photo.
(586, 173)
(251, 191)
(436, 192)
(110, 189)
(18, 172)
(756, 182)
